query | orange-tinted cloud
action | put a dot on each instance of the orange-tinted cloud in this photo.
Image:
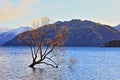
(13, 14)
(28, 2)
(10, 12)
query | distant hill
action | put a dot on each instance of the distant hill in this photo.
(83, 33)
(117, 27)
(10, 34)
(3, 29)
(113, 43)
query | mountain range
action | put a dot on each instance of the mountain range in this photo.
(10, 34)
(117, 27)
(3, 29)
(83, 33)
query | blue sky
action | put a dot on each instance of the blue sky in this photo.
(15, 13)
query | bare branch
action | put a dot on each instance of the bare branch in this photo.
(51, 60)
(49, 52)
(32, 52)
(49, 45)
(50, 64)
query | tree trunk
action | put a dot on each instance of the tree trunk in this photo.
(39, 62)
(32, 65)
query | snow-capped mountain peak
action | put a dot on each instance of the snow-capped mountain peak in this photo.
(10, 34)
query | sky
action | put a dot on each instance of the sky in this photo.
(15, 13)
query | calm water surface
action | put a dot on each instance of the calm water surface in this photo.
(92, 64)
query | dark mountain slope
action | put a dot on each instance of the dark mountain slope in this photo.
(84, 33)
(113, 43)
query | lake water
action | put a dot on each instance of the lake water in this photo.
(93, 63)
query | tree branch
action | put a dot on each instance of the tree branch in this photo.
(49, 52)
(51, 60)
(50, 64)
(31, 51)
(40, 46)
(48, 46)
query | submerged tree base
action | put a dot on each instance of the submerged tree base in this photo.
(33, 64)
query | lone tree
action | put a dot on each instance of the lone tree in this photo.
(45, 43)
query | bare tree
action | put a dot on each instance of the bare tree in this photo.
(44, 43)
(44, 21)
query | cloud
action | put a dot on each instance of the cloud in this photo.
(13, 14)
(28, 2)
(10, 11)
(6, 7)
